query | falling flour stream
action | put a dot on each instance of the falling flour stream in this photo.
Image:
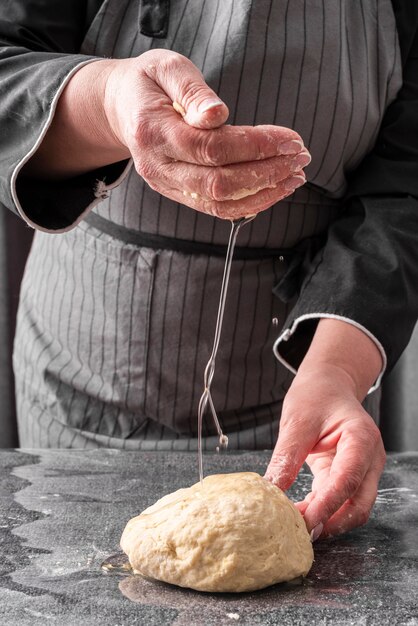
(210, 367)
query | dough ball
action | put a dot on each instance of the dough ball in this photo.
(237, 532)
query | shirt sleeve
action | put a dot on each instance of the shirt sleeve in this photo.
(39, 53)
(366, 273)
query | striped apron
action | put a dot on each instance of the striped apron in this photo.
(113, 334)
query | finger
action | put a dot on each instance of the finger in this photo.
(232, 182)
(303, 504)
(351, 463)
(184, 84)
(297, 437)
(356, 510)
(234, 209)
(226, 145)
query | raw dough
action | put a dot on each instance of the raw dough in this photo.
(237, 532)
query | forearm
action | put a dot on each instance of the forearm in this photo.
(342, 346)
(79, 138)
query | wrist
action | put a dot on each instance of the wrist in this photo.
(89, 88)
(339, 346)
(80, 137)
(110, 89)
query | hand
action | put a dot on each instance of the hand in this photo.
(324, 423)
(186, 152)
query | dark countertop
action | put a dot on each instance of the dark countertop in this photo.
(62, 513)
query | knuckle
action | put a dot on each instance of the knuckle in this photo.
(216, 184)
(170, 62)
(368, 438)
(218, 210)
(363, 515)
(348, 484)
(211, 149)
(210, 208)
(194, 91)
(374, 434)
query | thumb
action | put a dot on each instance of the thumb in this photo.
(293, 445)
(210, 113)
(181, 80)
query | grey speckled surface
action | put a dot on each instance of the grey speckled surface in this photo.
(62, 513)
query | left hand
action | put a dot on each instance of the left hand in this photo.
(159, 107)
(324, 424)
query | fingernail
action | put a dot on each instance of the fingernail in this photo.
(290, 147)
(294, 182)
(301, 160)
(316, 532)
(209, 104)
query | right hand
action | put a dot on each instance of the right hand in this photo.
(192, 157)
(324, 424)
